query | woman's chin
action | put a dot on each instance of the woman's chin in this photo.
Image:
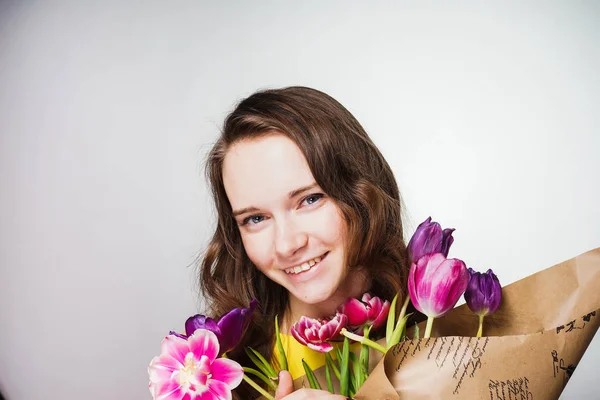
(320, 304)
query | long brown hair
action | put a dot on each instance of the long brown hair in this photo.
(345, 164)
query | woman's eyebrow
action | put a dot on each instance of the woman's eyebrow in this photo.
(303, 189)
(291, 195)
(244, 211)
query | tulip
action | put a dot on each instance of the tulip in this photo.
(368, 310)
(189, 369)
(315, 333)
(229, 329)
(483, 294)
(435, 284)
(430, 238)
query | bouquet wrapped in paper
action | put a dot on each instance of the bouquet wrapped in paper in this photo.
(531, 347)
(536, 331)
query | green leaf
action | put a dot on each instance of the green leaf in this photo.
(398, 331)
(282, 357)
(332, 365)
(338, 356)
(312, 379)
(260, 362)
(260, 390)
(391, 320)
(265, 362)
(260, 375)
(328, 378)
(355, 377)
(344, 368)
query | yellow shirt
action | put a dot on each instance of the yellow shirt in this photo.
(296, 351)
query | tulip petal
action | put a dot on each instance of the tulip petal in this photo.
(233, 325)
(167, 390)
(218, 389)
(162, 367)
(176, 347)
(383, 314)
(356, 312)
(298, 336)
(323, 347)
(436, 283)
(227, 371)
(447, 241)
(315, 333)
(200, 322)
(206, 395)
(179, 335)
(204, 343)
(429, 238)
(484, 292)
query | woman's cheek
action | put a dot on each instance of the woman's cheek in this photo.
(258, 249)
(331, 222)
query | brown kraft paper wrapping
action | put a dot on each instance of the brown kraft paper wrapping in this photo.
(531, 347)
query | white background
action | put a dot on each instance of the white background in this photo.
(488, 114)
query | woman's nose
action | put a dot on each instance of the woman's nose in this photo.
(289, 239)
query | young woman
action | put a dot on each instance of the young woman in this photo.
(309, 214)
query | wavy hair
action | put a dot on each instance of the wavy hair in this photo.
(346, 164)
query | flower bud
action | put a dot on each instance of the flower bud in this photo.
(229, 329)
(315, 333)
(484, 292)
(430, 238)
(435, 283)
(368, 310)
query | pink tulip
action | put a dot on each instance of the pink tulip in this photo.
(368, 310)
(435, 283)
(315, 333)
(190, 370)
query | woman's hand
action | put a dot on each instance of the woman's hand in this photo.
(285, 391)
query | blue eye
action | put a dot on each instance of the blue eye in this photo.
(313, 198)
(253, 219)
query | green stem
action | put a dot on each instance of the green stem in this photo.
(428, 327)
(344, 368)
(258, 388)
(480, 331)
(363, 340)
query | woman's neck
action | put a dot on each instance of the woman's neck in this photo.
(356, 284)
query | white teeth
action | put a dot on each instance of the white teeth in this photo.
(304, 267)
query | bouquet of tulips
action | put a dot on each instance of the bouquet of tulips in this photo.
(435, 284)
(452, 359)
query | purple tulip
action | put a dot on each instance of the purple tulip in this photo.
(229, 329)
(484, 293)
(315, 333)
(430, 238)
(435, 283)
(368, 310)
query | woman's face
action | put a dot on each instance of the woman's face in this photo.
(291, 230)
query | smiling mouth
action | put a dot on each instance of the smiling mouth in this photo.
(305, 266)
